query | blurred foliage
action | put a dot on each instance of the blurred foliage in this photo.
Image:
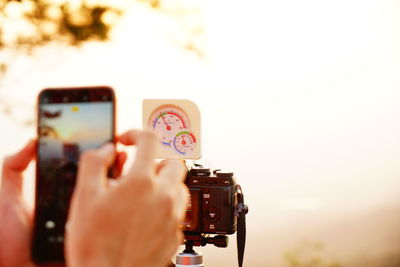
(56, 20)
(308, 254)
(28, 24)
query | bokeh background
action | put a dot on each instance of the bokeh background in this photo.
(300, 98)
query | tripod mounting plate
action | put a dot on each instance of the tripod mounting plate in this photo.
(194, 259)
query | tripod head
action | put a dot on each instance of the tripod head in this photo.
(198, 240)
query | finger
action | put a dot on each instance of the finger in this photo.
(184, 196)
(169, 239)
(173, 171)
(92, 171)
(170, 177)
(20, 161)
(164, 162)
(160, 229)
(160, 165)
(14, 165)
(147, 145)
(129, 138)
(120, 162)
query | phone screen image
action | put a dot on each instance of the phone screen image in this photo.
(69, 123)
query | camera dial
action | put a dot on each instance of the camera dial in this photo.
(224, 173)
(200, 171)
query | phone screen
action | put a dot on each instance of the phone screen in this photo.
(70, 121)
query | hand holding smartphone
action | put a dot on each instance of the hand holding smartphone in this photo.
(70, 121)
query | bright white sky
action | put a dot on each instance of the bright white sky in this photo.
(299, 98)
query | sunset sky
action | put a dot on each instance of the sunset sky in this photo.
(299, 98)
(82, 123)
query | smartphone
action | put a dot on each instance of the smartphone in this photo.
(70, 121)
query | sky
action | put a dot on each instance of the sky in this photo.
(81, 123)
(298, 98)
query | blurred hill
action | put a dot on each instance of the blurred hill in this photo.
(368, 239)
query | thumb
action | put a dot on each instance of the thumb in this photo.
(14, 166)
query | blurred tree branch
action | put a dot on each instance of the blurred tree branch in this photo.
(26, 25)
(29, 24)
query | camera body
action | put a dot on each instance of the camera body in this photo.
(213, 200)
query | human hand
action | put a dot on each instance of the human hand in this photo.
(132, 222)
(15, 215)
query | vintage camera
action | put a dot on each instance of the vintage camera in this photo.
(216, 209)
(213, 200)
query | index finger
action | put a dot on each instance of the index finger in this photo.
(92, 171)
(20, 161)
(172, 170)
(147, 146)
(14, 165)
(129, 138)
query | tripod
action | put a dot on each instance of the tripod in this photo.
(191, 258)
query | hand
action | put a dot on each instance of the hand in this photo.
(132, 222)
(15, 216)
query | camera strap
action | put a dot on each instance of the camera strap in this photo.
(240, 212)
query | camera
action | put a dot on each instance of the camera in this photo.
(213, 199)
(216, 207)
